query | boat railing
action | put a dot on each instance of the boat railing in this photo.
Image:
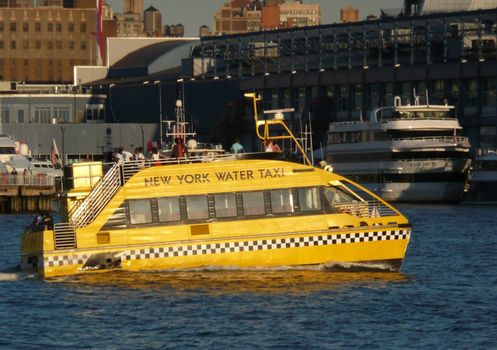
(365, 209)
(132, 167)
(38, 180)
(449, 139)
(393, 118)
(86, 210)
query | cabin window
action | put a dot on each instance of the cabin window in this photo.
(281, 201)
(140, 211)
(253, 203)
(168, 209)
(309, 199)
(197, 208)
(336, 195)
(225, 205)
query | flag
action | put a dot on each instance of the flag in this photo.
(54, 154)
(99, 33)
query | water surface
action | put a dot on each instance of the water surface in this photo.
(445, 297)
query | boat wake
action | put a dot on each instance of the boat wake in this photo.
(356, 267)
(11, 275)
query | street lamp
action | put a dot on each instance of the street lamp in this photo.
(182, 81)
(63, 161)
(157, 82)
(110, 102)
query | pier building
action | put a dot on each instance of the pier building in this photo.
(333, 72)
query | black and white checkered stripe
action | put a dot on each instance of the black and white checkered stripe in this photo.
(61, 260)
(233, 247)
(264, 244)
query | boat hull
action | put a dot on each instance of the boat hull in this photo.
(419, 192)
(373, 247)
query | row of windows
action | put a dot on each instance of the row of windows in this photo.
(50, 27)
(228, 205)
(50, 45)
(346, 97)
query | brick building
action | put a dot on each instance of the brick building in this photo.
(42, 44)
(242, 16)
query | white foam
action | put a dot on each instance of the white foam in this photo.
(14, 276)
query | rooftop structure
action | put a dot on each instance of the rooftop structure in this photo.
(152, 19)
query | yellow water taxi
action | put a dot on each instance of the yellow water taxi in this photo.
(231, 212)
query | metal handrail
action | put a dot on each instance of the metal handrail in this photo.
(433, 138)
(365, 209)
(101, 194)
(26, 180)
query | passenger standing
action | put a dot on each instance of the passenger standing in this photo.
(155, 156)
(237, 147)
(179, 148)
(140, 155)
(119, 156)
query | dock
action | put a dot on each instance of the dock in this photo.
(27, 193)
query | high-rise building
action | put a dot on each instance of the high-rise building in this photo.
(133, 6)
(152, 20)
(43, 44)
(241, 16)
(297, 14)
(129, 24)
(349, 14)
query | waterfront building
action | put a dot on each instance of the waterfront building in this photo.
(75, 118)
(43, 44)
(152, 19)
(340, 72)
(328, 73)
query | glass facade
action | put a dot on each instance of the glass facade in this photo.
(443, 57)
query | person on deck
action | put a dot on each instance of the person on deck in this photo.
(179, 149)
(237, 147)
(272, 147)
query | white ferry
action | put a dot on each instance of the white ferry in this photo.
(483, 183)
(408, 153)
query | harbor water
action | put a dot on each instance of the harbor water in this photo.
(445, 297)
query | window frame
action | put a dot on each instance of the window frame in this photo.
(177, 198)
(130, 215)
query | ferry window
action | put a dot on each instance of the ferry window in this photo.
(309, 199)
(168, 209)
(140, 211)
(281, 201)
(253, 203)
(225, 205)
(197, 208)
(336, 195)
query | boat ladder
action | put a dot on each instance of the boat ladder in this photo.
(99, 197)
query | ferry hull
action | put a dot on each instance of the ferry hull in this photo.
(382, 248)
(419, 192)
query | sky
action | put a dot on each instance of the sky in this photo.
(194, 13)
